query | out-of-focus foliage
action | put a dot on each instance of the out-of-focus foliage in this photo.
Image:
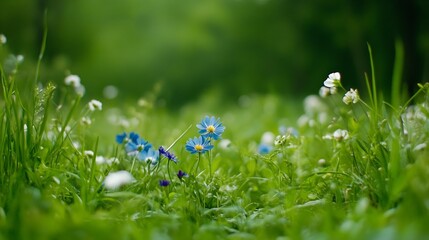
(237, 47)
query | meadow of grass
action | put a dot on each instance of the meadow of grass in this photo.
(337, 166)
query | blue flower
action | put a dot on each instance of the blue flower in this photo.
(120, 138)
(164, 183)
(264, 148)
(136, 145)
(181, 174)
(134, 136)
(167, 154)
(198, 144)
(150, 156)
(211, 127)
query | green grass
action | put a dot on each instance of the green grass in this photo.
(370, 184)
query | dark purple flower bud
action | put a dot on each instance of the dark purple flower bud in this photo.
(167, 154)
(181, 174)
(164, 183)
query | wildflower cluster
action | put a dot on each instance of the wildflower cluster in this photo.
(210, 129)
(285, 139)
(138, 147)
(74, 81)
(331, 85)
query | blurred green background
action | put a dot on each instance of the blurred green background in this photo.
(227, 47)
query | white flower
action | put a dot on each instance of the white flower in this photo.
(351, 96)
(340, 134)
(115, 180)
(303, 121)
(80, 90)
(76, 144)
(89, 153)
(324, 91)
(313, 105)
(72, 80)
(95, 105)
(86, 120)
(225, 144)
(333, 80)
(100, 160)
(268, 138)
(3, 39)
(280, 140)
(322, 162)
(19, 58)
(327, 137)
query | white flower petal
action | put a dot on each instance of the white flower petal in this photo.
(115, 180)
(95, 105)
(72, 80)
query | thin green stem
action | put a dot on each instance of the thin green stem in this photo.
(91, 176)
(198, 163)
(168, 170)
(210, 163)
(132, 165)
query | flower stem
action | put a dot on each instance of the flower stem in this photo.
(198, 162)
(132, 165)
(168, 170)
(210, 163)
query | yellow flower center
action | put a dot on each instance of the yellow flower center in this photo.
(211, 129)
(199, 147)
